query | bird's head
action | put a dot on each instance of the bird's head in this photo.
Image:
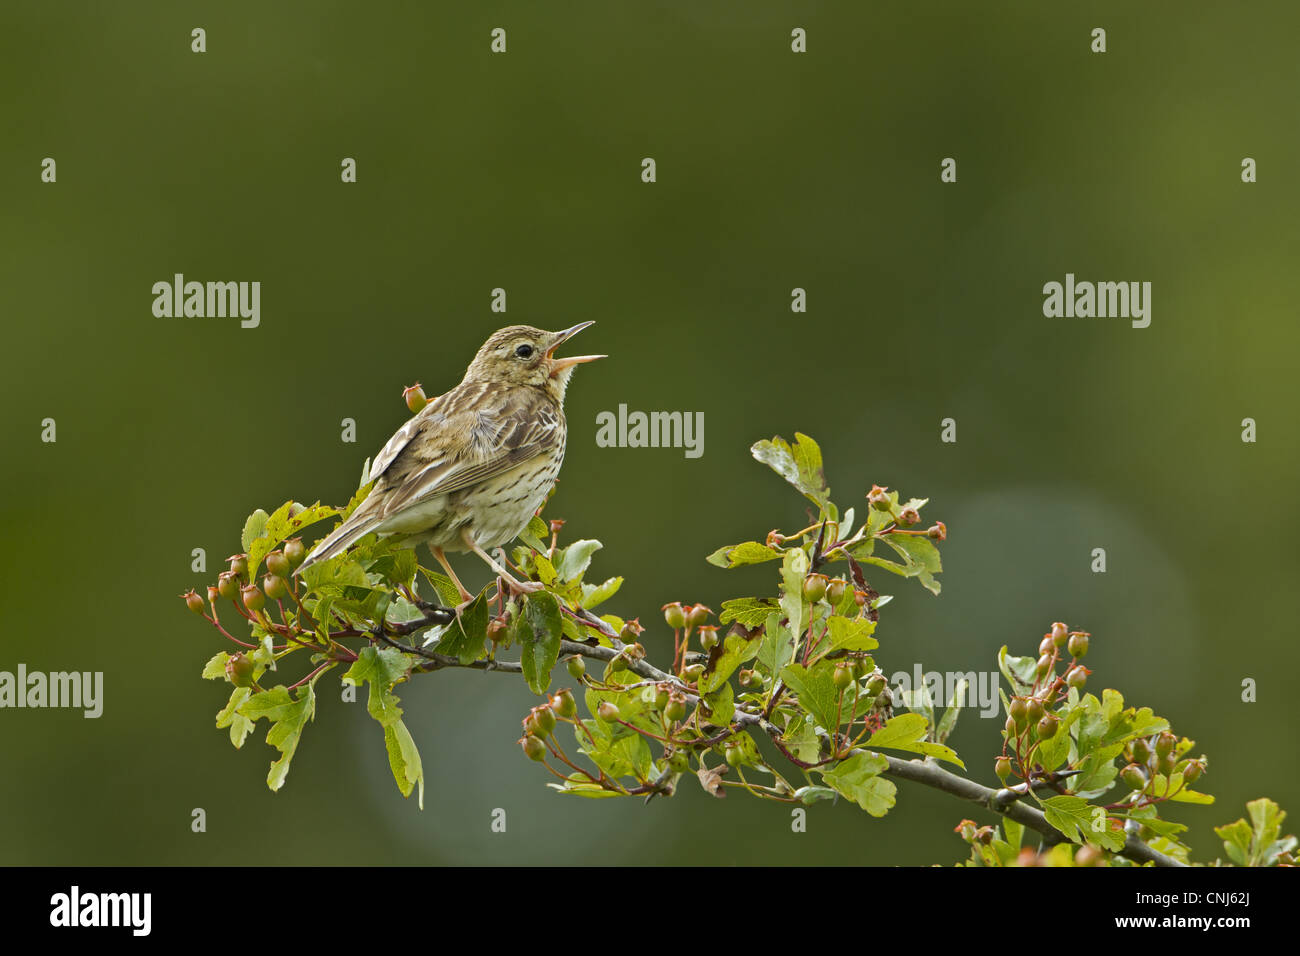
(523, 355)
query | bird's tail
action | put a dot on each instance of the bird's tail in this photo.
(357, 526)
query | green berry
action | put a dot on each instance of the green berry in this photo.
(607, 711)
(843, 675)
(254, 599)
(675, 709)
(879, 498)
(278, 564)
(1141, 751)
(679, 761)
(228, 585)
(876, 686)
(414, 397)
(814, 587)
(1076, 677)
(497, 630)
(1078, 645)
(533, 746)
(1043, 666)
(239, 565)
(1134, 776)
(1165, 764)
(1165, 744)
(692, 673)
(239, 669)
(835, 588)
(1192, 772)
(545, 719)
(1002, 767)
(564, 704)
(1045, 646)
(696, 615)
(675, 615)
(1010, 727)
(275, 586)
(1047, 727)
(937, 531)
(734, 755)
(1019, 711)
(708, 637)
(295, 551)
(576, 667)
(1034, 709)
(1060, 634)
(193, 601)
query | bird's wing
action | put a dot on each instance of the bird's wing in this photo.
(471, 439)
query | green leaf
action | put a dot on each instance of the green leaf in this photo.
(580, 786)
(215, 668)
(464, 639)
(1082, 822)
(810, 795)
(288, 718)
(801, 739)
(535, 533)
(721, 705)
(815, 689)
(576, 558)
(404, 759)
(279, 526)
(749, 612)
(1173, 786)
(381, 669)
(735, 651)
(800, 465)
(539, 639)
(851, 634)
(907, 732)
(747, 552)
(253, 528)
(777, 646)
(448, 596)
(921, 555)
(229, 716)
(595, 594)
(858, 778)
(1019, 671)
(793, 569)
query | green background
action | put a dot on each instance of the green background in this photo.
(522, 171)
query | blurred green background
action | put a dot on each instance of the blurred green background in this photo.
(522, 171)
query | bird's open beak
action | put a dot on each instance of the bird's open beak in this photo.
(560, 364)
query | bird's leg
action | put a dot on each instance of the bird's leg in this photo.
(441, 558)
(519, 587)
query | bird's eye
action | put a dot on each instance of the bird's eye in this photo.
(524, 351)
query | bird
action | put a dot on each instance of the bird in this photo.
(470, 469)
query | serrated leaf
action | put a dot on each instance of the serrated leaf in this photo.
(534, 534)
(215, 668)
(596, 594)
(464, 638)
(539, 639)
(800, 465)
(851, 634)
(1019, 671)
(404, 759)
(747, 552)
(749, 612)
(907, 732)
(1078, 820)
(381, 669)
(920, 555)
(576, 559)
(735, 651)
(253, 528)
(858, 778)
(815, 689)
(288, 717)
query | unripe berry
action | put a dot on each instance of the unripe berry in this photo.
(1034, 709)
(883, 701)
(1043, 666)
(631, 631)
(692, 673)
(661, 697)
(577, 667)
(535, 749)
(879, 498)
(239, 566)
(278, 564)
(708, 636)
(1019, 711)
(876, 685)
(414, 397)
(213, 596)
(1060, 634)
(607, 711)
(860, 667)
(1002, 767)
(1141, 751)
(937, 531)
(675, 615)
(750, 678)
(908, 517)
(1165, 743)
(193, 601)
(295, 551)
(564, 704)
(835, 590)
(1010, 727)
(679, 761)
(676, 708)
(1047, 727)
(1134, 776)
(1076, 677)
(228, 585)
(1165, 763)
(274, 586)
(814, 587)
(1192, 772)
(843, 675)
(1078, 645)
(545, 720)
(254, 599)
(696, 615)
(1045, 646)
(734, 755)
(240, 670)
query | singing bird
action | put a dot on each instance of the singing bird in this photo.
(468, 471)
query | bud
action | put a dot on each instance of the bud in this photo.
(1134, 776)
(295, 551)
(278, 564)
(239, 670)
(1047, 727)
(274, 586)
(696, 615)
(675, 615)
(607, 711)
(193, 601)
(1002, 767)
(1165, 744)
(843, 675)
(1060, 634)
(937, 531)
(239, 566)
(708, 636)
(254, 599)
(1076, 677)
(545, 719)
(564, 704)
(908, 517)
(1078, 645)
(860, 597)
(835, 588)
(879, 498)
(535, 749)
(814, 587)
(228, 585)
(577, 667)
(414, 397)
